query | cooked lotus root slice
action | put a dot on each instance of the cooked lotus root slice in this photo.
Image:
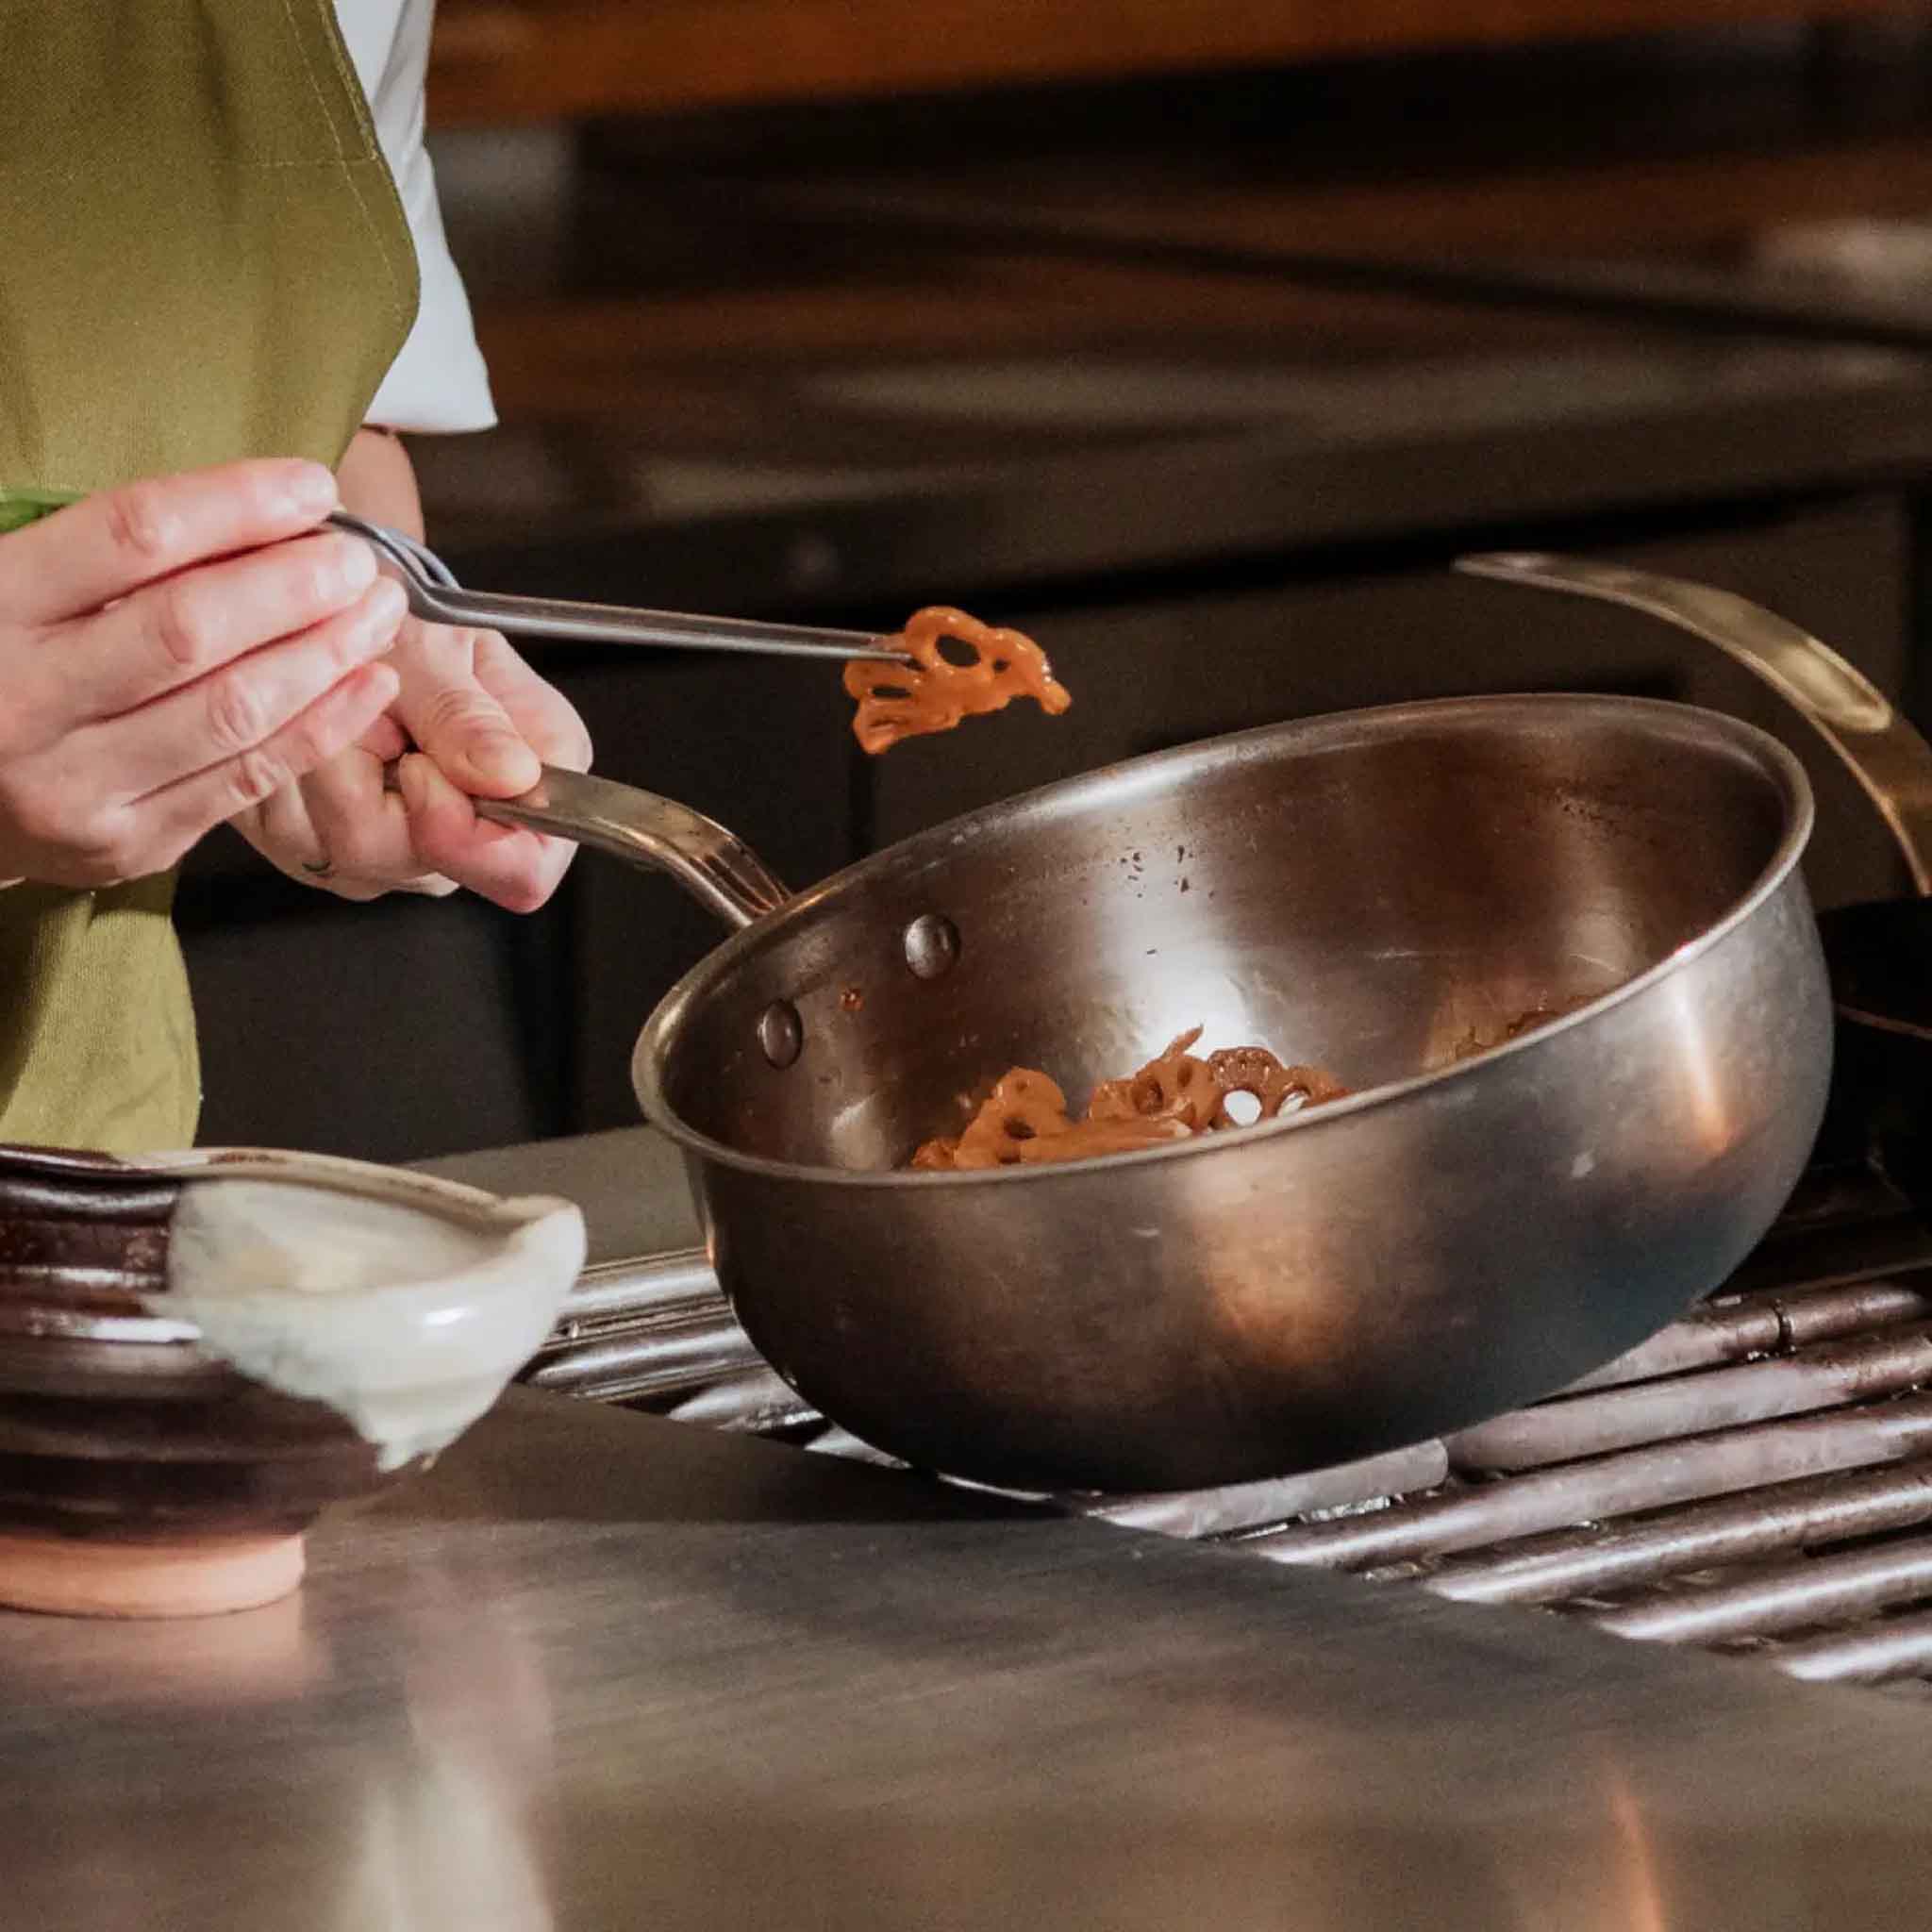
(1023, 1108)
(1025, 1120)
(1253, 1070)
(1174, 1085)
(1087, 1139)
(896, 702)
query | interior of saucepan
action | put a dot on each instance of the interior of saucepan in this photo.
(1376, 894)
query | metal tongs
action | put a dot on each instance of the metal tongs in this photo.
(436, 598)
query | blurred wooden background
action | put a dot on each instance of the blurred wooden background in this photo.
(821, 308)
(518, 61)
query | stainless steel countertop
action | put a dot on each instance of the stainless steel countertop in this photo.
(596, 1670)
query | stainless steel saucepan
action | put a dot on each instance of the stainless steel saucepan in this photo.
(1382, 892)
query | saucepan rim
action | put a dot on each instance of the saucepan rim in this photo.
(1715, 729)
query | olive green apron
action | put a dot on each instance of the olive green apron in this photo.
(202, 257)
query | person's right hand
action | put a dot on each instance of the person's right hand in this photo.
(173, 653)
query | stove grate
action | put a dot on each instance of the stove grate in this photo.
(1754, 1481)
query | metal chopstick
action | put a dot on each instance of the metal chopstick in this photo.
(435, 596)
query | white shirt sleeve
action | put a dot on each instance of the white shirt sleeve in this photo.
(438, 381)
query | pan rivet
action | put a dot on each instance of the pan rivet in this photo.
(932, 944)
(780, 1035)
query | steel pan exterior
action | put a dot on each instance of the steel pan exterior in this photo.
(1373, 891)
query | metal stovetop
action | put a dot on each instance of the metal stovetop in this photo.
(595, 1668)
(1755, 1480)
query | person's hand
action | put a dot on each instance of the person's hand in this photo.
(481, 723)
(173, 653)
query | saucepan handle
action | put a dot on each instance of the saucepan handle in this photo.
(654, 834)
(1881, 749)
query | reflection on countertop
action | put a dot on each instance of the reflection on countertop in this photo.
(598, 1668)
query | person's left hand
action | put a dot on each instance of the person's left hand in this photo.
(481, 723)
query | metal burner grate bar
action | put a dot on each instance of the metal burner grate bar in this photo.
(1610, 1486)
(753, 1401)
(1652, 1412)
(1242, 1505)
(1595, 1560)
(1793, 1596)
(1900, 1648)
(671, 1354)
(639, 1330)
(619, 1294)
